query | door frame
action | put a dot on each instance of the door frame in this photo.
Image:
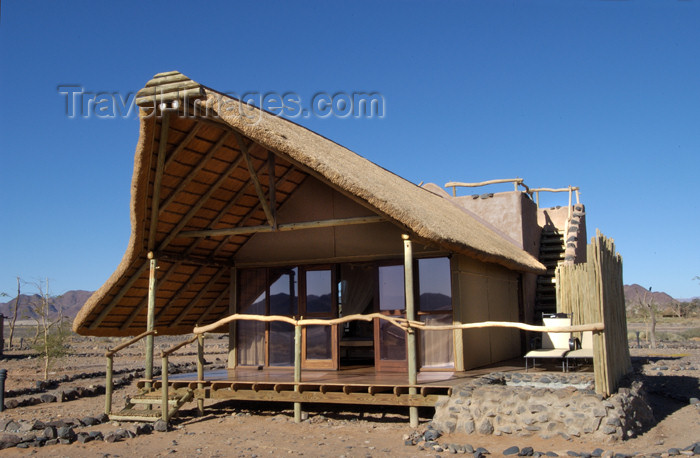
(333, 362)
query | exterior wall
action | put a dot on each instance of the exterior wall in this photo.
(514, 214)
(317, 201)
(485, 292)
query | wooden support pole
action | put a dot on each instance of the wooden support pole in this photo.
(258, 187)
(153, 265)
(164, 389)
(200, 372)
(109, 386)
(297, 370)
(157, 180)
(271, 185)
(232, 327)
(410, 316)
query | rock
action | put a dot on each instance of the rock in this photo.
(526, 451)
(112, 437)
(482, 451)
(160, 426)
(96, 435)
(486, 427)
(12, 426)
(51, 442)
(673, 452)
(11, 403)
(66, 433)
(431, 435)
(597, 452)
(103, 418)
(514, 450)
(49, 432)
(46, 397)
(90, 421)
(693, 401)
(607, 429)
(8, 441)
(144, 429)
(84, 437)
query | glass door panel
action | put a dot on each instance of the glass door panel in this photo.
(284, 301)
(252, 300)
(390, 341)
(319, 343)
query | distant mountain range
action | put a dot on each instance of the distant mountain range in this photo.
(72, 301)
(635, 293)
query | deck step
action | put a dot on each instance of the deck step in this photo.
(136, 415)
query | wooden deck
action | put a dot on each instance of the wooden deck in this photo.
(356, 385)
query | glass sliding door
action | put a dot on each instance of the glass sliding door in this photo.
(390, 341)
(319, 343)
(283, 301)
(435, 308)
(252, 300)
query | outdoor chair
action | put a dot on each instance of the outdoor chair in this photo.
(554, 344)
(586, 350)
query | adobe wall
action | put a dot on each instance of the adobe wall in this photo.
(484, 292)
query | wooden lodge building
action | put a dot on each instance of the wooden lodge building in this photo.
(238, 211)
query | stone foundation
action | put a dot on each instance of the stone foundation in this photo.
(547, 405)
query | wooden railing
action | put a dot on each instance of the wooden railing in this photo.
(199, 338)
(516, 182)
(109, 385)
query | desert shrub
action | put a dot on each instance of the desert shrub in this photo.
(691, 333)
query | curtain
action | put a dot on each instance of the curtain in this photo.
(357, 288)
(436, 346)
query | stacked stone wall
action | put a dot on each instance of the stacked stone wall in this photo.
(524, 405)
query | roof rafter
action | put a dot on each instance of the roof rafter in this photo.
(183, 144)
(198, 168)
(258, 187)
(285, 227)
(196, 299)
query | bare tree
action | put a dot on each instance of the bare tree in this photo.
(51, 335)
(649, 307)
(14, 314)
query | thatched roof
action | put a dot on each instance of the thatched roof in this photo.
(205, 183)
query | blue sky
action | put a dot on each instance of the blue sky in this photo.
(604, 95)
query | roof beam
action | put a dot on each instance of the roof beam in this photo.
(200, 203)
(258, 187)
(181, 290)
(285, 227)
(160, 165)
(122, 291)
(252, 211)
(214, 303)
(196, 299)
(190, 176)
(183, 144)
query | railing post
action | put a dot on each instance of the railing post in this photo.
(150, 318)
(109, 385)
(164, 389)
(200, 372)
(297, 370)
(410, 316)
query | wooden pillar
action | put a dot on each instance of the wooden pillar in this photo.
(109, 386)
(153, 265)
(297, 370)
(200, 372)
(411, 316)
(164, 390)
(232, 327)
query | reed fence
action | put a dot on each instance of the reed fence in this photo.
(592, 292)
